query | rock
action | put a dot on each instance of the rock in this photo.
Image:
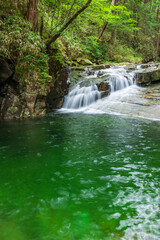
(24, 95)
(10, 106)
(148, 77)
(59, 90)
(60, 84)
(150, 65)
(100, 74)
(5, 71)
(84, 61)
(104, 88)
(79, 69)
(99, 67)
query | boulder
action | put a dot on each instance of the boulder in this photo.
(101, 66)
(104, 88)
(84, 62)
(148, 77)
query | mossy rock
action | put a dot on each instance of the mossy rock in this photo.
(148, 77)
(84, 62)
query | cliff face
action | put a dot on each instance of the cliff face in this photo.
(33, 79)
(23, 96)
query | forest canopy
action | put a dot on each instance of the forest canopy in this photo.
(99, 30)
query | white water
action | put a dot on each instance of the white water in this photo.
(125, 97)
(81, 97)
(129, 101)
(118, 77)
(119, 82)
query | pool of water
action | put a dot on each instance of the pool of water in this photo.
(80, 177)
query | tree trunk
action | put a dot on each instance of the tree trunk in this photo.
(157, 45)
(32, 14)
(58, 34)
(102, 30)
(41, 27)
(158, 34)
(100, 34)
(113, 36)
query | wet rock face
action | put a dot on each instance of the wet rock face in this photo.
(60, 88)
(60, 81)
(104, 88)
(12, 106)
(148, 77)
(21, 101)
(24, 97)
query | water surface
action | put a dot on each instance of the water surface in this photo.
(80, 177)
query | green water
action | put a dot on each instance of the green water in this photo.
(80, 177)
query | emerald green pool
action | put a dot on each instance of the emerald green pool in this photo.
(80, 177)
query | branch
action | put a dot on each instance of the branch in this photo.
(106, 23)
(58, 34)
(71, 8)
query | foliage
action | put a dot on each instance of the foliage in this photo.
(122, 53)
(23, 47)
(131, 33)
(95, 49)
(127, 21)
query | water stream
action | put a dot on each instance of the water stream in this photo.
(81, 97)
(125, 97)
(79, 176)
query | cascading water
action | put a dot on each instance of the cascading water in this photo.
(81, 97)
(119, 82)
(119, 93)
(118, 78)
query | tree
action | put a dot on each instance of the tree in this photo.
(106, 23)
(118, 17)
(158, 32)
(32, 14)
(71, 19)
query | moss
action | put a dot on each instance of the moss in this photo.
(57, 54)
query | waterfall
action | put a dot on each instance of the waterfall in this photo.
(81, 97)
(117, 78)
(118, 82)
(115, 87)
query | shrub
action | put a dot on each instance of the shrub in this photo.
(23, 47)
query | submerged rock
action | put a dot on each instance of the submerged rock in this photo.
(132, 101)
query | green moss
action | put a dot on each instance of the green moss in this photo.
(57, 55)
